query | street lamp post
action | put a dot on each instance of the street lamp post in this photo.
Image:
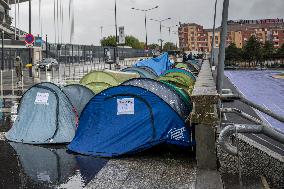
(145, 11)
(2, 57)
(160, 21)
(116, 36)
(30, 31)
(213, 36)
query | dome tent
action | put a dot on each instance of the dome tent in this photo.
(177, 70)
(79, 96)
(45, 116)
(126, 120)
(179, 79)
(158, 64)
(150, 70)
(98, 81)
(142, 72)
(165, 92)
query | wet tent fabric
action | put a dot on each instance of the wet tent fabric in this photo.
(182, 93)
(79, 96)
(165, 92)
(126, 120)
(177, 70)
(45, 116)
(150, 70)
(188, 66)
(142, 72)
(45, 165)
(98, 81)
(179, 79)
(159, 64)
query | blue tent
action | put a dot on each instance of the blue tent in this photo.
(45, 116)
(126, 120)
(159, 64)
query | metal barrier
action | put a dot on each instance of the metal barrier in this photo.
(261, 127)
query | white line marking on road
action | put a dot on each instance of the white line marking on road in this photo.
(281, 149)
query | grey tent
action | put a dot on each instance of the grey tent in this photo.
(45, 165)
(79, 96)
(142, 72)
(45, 116)
(165, 92)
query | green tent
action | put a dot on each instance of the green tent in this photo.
(178, 70)
(98, 81)
(182, 93)
(180, 80)
(187, 66)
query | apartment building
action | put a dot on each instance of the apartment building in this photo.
(194, 37)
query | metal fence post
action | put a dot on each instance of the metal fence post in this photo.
(1, 75)
(12, 71)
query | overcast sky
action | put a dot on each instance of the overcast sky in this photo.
(91, 14)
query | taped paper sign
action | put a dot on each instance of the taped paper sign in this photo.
(125, 106)
(42, 98)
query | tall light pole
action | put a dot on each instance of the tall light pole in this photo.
(170, 27)
(30, 31)
(213, 36)
(221, 64)
(161, 21)
(116, 37)
(145, 11)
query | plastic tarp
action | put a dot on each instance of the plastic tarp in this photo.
(45, 165)
(45, 115)
(79, 96)
(165, 92)
(150, 70)
(159, 64)
(98, 81)
(126, 120)
(142, 72)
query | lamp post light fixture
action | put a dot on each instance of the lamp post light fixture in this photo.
(161, 21)
(145, 11)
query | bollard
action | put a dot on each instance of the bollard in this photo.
(1, 75)
(12, 71)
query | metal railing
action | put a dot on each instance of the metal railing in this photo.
(260, 128)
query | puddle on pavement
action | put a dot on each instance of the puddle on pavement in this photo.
(33, 166)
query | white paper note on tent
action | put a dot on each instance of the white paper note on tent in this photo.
(125, 106)
(42, 98)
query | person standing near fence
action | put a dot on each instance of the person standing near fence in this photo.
(18, 67)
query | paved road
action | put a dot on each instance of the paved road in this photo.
(232, 118)
(262, 89)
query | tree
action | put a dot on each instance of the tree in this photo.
(252, 50)
(233, 53)
(108, 41)
(133, 42)
(153, 46)
(169, 46)
(129, 41)
(268, 50)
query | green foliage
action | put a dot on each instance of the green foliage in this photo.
(130, 41)
(169, 46)
(108, 41)
(153, 46)
(280, 52)
(233, 53)
(268, 50)
(252, 50)
(133, 42)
